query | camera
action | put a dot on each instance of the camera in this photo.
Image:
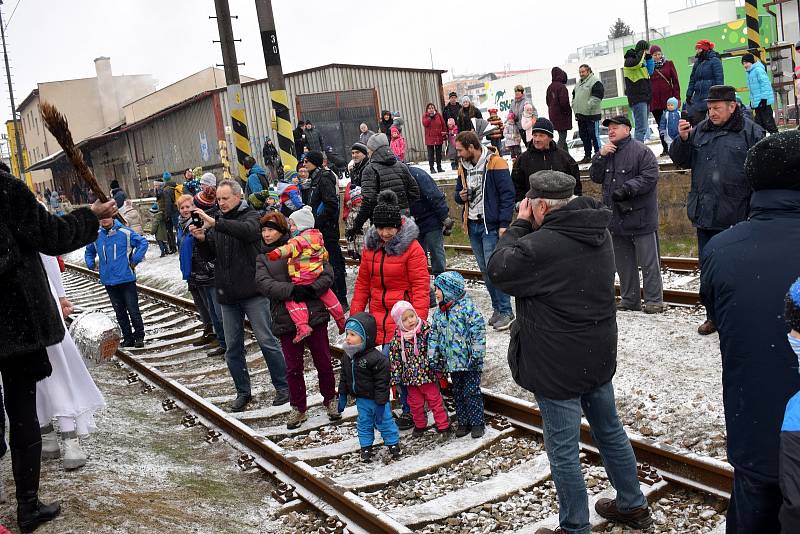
(196, 220)
(471, 191)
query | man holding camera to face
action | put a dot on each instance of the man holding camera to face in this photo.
(485, 189)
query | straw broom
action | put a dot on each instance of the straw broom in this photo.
(59, 127)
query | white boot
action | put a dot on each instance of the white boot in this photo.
(50, 448)
(74, 455)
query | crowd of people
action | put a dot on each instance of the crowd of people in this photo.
(268, 252)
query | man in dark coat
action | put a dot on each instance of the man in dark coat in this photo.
(232, 241)
(324, 203)
(557, 259)
(118, 194)
(715, 150)
(299, 139)
(628, 171)
(452, 107)
(358, 153)
(432, 216)
(384, 172)
(745, 271)
(542, 154)
(557, 98)
(314, 139)
(29, 322)
(165, 197)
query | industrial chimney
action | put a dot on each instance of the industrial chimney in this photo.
(112, 113)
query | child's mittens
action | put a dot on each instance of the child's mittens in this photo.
(273, 255)
(342, 402)
(379, 409)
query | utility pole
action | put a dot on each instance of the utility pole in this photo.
(646, 23)
(20, 163)
(751, 19)
(235, 99)
(277, 85)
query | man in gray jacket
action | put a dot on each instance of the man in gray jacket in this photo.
(715, 150)
(628, 171)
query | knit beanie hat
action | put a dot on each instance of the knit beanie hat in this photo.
(642, 45)
(543, 125)
(316, 157)
(376, 141)
(166, 176)
(774, 162)
(154, 207)
(748, 57)
(672, 100)
(465, 100)
(654, 49)
(209, 179)
(704, 44)
(792, 311)
(451, 285)
(387, 212)
(303, 218)
(289, 176)
(361, 147)
(399, 308)
(354, 325)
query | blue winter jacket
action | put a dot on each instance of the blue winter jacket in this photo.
(669, 124)
(706, 72)
(498, 193)
(119, 249)
(431, 208)
(759, 85)
(253, 180)
(744, 275)
(457, 339)
(185, 249)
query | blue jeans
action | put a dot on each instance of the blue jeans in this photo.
(640, 115)
(366, 423)
(483, 244)
(209, 296)
(257, 311)
(562, 427)
(125, 302)
(433, 244)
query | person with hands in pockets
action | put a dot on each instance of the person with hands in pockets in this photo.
(365, 376)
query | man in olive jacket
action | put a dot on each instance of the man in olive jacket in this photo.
(557, 259)
(29, 322)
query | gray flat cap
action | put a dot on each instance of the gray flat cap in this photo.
(551, 184)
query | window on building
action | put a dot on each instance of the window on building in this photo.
(36, 122)
(609, 80)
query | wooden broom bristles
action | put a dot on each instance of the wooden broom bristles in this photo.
(59, 127)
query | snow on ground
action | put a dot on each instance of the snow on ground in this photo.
(668, 380)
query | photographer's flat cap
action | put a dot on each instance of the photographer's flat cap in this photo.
(551, 184)
(721, 93)
(619, 119)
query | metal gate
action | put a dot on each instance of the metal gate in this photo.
(337, 115)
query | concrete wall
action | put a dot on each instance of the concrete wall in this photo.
(702, 15)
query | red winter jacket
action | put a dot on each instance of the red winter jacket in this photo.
(435, 129)
(557, 98)
(397, 270)
(661, 87)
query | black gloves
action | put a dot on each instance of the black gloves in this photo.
(447, 226)
(303, 293)
(620, 194)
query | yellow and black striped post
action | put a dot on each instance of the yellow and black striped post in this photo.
(751, 20)
(241, 141)
(277, 84)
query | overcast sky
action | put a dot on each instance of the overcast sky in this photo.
(170, 39)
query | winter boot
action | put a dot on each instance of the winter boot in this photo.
(240, 402)
(418, 432)
(394, 451)
(50, 448)
(26, 465)
(366, 454)
(219, 351)
(477, 431)
(445, 433)
(332, 407)
(74, 455)
(281, 397)
(463, 430)
(207, 337)
(296, 418)
(405, 421)
(639, 519)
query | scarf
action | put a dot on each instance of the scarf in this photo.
(660, 62)
(400, 307)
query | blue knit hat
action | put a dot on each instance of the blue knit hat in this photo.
(792, 310)
(356, 326)
(451, 285)
(166, 176)
(674, 101)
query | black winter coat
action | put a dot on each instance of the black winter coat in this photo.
(324, 201)
(29, 318)
(450, 111)
(233, 245)
(385, 125)
(745, 272)
(355, 172)
(465, 116)
(431, 209)
(273, 281)
(384, 172)
(564, 341)
(720, 194)
(299, 140)
(633, 168)
(314, 140)
(166, 200)
(532, 160)
(366, 374)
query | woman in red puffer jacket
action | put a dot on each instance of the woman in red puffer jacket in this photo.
(393, 267)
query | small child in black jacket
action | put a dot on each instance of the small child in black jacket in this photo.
(365, 375)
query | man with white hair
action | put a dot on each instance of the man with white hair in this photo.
(233, 241)
(557, 259)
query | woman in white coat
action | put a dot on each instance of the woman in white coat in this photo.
(69, 395)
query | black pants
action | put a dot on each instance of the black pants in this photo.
(587, 130)
(703, 237)
(25, 436)
(766, 119)
(657, 113)
(435, 151)
(125, 301)
(562, 139)
(754, 506)
(335, 257)
(171, 243)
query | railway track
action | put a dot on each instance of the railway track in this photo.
(317, 465)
